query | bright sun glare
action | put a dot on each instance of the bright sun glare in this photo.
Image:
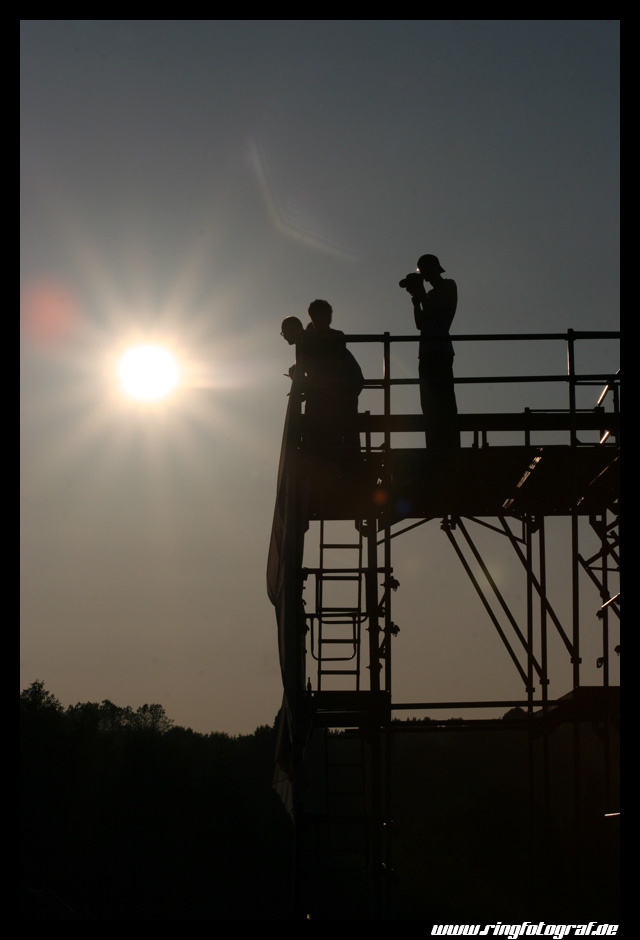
(148, 372)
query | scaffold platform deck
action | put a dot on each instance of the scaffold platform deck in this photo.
(484, 481)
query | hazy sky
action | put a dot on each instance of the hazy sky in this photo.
(195, 181)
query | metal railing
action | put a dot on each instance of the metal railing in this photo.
(567, 418)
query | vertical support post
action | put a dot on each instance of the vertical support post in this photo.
(386, 379)
(571, 372)
(384, 837)
(544, 675)
(544, 652)
(604, 548)
(528, 532)
(575, 573)
(604, 594)
(387, 611)
(371, 596)
(387, 736)
(372, 729)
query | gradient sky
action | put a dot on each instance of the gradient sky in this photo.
(195, 181)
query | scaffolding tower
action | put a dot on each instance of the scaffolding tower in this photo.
(335, 628)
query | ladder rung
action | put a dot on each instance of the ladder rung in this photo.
(338, 620)
(346, 611)
(350, 623)
(349, 641)
(340, 576)
(338, 672)
(339, 545)
(353, 573)
(354, 568)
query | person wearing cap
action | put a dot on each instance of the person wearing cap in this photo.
(433, 312)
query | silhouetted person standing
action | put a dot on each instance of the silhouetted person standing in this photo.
(330, 381)
(434, 311)
(334, 383)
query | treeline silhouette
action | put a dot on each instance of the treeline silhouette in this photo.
(124, 815)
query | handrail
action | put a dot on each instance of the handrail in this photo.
(586, 378)
(527, 420)
(485, 337)
(571, 378)
(570, 419)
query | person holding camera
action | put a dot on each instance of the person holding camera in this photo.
(433, 312)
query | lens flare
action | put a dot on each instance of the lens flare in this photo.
(50, 312)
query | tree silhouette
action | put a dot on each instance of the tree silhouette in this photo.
(125, 815)
(36, 699)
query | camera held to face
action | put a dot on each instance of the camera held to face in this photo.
(412, 282)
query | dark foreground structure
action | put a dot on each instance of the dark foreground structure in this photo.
(348, 771)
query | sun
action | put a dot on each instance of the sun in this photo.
(148, 372)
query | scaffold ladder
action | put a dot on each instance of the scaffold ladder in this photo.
(336, 622)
